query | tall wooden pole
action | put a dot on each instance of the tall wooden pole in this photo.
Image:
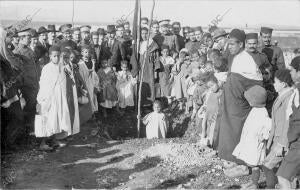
(142, 73)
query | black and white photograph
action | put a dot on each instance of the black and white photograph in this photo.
(150, 94)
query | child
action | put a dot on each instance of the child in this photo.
(181, 72)
(51, 100)
(125, 86)
(212, 103)
(165, 76)
(251, 148)
(89, 76)
(156, 122)
(278, 142)
(108, 88)
(290, 165)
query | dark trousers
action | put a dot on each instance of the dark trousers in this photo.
(12, 123)
(29, 95)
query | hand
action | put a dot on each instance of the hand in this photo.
(39, 109)
(278, 151)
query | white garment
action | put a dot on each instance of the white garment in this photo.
(156, 125)
(125, 87)
(143, 46)
(167, 60)
(92, 81)
(250, 149)
(52, 98)
(244, 64)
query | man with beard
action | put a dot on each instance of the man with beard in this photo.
(29, 79)
(43, 37)
(52, 35)
(192, 44)
(221, 42)
(165, 37)
(274, 53)
(176, 30)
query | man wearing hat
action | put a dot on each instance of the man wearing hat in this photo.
(198, 33)
(243, 74)
(154, 28)
(126, 25)
(165, 37)
(126, 42)
(96, 47)
(221, 42)
(67, 38)
(176, 30)
(274, 53)
(52, 35)
(185, 33)
(192, 44)
(43, 37)
(30, 77)
(34, 39)
(85, 35)
(113, 49)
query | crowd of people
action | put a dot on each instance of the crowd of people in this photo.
(236, 86)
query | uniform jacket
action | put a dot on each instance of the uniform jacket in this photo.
(116, 53)
(294, 129)
(275, 56)
(170, 40)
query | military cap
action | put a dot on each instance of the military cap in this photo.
(54, 48)
(85, 28)
(94, 33)
(164, 22)
(144, 18)
(266, 30)
(154, 22)
(42, 30)
(251, 36)
(175, 23)
(101, 31)
(238, 34)
(198, 28)
(65, 28)
(111, 28)
(33, 33)
(51, 28)
(24, 32)
(219, 32)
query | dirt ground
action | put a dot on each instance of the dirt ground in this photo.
(91, 160)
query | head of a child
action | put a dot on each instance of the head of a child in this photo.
(212, 83)
(209, 67)
(183, 54)
(174, 54)
(54, 53)
(165, 50)
(282, 80)
(124, 65)
(85, 53)
(266, 74)
(73, 56)
(105, 63)
(157, 106)
(195, 56)
(295, 69)
(256, 96)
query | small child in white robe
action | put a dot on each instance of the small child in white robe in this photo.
(252, 146)
(125, 86)
(156, 122)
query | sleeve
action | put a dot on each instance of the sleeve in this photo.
(265, 132)
(47, 83)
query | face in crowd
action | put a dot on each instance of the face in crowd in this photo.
(266, 38)
(144, 23)
(43, 37)
(198, 35)
(144, 34)
(25, 40)
(34, 41)
(51, 35)
(251, 45)
(176, 29)
(220, 42)
(95, 39)
(155, 28)
(67, 35)
(120, 32)
(85, 35)
(76, 36)
(192, 36)
(234, 46)
(164, 29)
(111, 35)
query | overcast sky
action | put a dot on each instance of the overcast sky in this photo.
(189, 12)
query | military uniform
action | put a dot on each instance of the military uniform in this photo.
(169, 40)
(29, 82)
(275, 57)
